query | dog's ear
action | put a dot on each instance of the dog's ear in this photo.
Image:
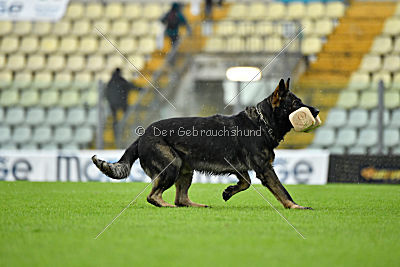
(287, 84)
(279, 92)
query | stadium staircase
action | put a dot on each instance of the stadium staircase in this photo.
(341, 55)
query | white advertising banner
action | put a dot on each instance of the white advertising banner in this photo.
(291, 166)
(32, 10)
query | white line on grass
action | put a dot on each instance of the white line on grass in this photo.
(283, 217)
(133, 200)
(269, 63)
(122, 55)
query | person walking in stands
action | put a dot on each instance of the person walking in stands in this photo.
(172, 20)
(116, 92)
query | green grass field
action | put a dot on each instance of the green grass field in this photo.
(54, 224)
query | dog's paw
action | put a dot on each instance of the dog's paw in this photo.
(300, 207)
(227, 194)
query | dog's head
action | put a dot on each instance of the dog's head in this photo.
(283, 102)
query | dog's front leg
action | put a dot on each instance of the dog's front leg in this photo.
(270, 180)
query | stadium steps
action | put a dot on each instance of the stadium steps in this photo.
(340, 56)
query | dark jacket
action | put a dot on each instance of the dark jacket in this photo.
(117, 91)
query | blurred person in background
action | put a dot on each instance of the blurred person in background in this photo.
(116, 92)
(172, 20)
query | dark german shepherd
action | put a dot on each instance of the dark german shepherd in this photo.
(170, 150)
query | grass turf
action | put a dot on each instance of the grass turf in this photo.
(53, 224)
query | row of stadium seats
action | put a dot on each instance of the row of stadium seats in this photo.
(363, 80)
(80, 28)
(290, 11)
(55, 116)
(44, 137)
(356, 142)
(48, 98)
(320, 28)
(367, 99)
(74, 62)
(373, 63)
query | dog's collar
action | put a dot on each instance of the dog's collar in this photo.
(270, 131)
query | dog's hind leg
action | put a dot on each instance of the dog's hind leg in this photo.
(182, 185)
(271, 181)
(243, 184)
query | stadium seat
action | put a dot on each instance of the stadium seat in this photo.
(29, 98)
(238, 11)
(83, 135)
(308, 26)
(68, 45)
(69, 98)
(367, 138)
(48, 45)
(396, 82)
(391, 137)
(137, 60)
(94, 10)
(92, 117)
(9, 146)
(392, 100)
(88, 45)
(140, 28)
(373, 119)
(81, 28)
(336, 118)
(382, 45)
(61, 28)
(357, 150)
(335, 9)
(22, 79)
(35, 62)
(346, 137)
(5, 134)
(95, 63)
(16, 62)
(384, 76)
(323, 27)
(48, 98)
(41, 28)
(89, 98)
(256, 11)
(374, 150)
(55, 116)
(105, 47)
(264, 28)
(22, 28)
(5, 27)
(28, 146)
(75, 63)
(55, 63)
(114, 61)
(28, 45)
(276, 11)
(311, 45)
(42, 80)
(9, 44)
(9, 98)
(392, 27)
(6, 79)
(370, 63)
(347, 100)
(119, 28)
(102, 25)
(396, 46)
(21, 134)
(245, 28)
(75, 11)
(49, 146)
(273, 44)
(62, 135)
(2, 61)
(132, 11)
(254, 44)
(152, 11)
(368, 100)
(35, 116)
(324, 137)
(15, 116)
(146, 45)
(296, 10)
(127, 45)
(225, 28)
(235, 44)
(391, 63)
(75, 116)
(315, 10)
(82, 80)
(1, 114)
(336, 150)
(395, 119)
(358, 118)
(359, 81)
(113, 10)
(42, 134)
(62, 80)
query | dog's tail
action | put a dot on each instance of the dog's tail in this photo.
(122, 168)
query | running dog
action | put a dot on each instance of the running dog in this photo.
(171, 150)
